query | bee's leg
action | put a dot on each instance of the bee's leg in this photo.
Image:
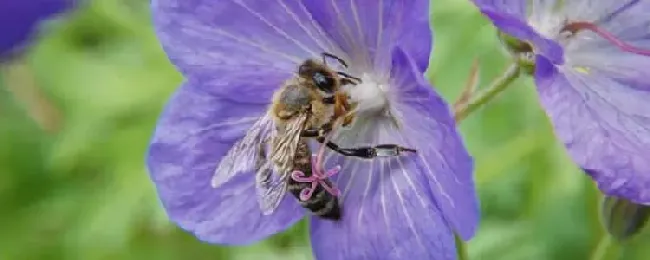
(329, 100)
(329, 55)
(348, 119)
(382, 150)
(317, 133)
(310, 133)
(347, 79)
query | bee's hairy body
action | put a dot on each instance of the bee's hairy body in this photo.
(321, 203)
(294, 98)
(308, 105)
(297, 97)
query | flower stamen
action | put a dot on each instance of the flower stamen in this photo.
(316, 178)
(575, 27)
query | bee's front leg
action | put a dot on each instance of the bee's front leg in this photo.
(347, 79)
(329, 100)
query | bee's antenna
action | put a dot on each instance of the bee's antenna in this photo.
(329, 55)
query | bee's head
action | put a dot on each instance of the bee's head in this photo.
(321, 77)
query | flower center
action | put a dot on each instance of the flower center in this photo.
(369, 97)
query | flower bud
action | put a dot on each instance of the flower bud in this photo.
(622, 218)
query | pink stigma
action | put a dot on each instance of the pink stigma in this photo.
(316, 178)
(575, 27)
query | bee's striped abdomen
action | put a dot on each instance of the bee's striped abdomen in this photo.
(321, 203)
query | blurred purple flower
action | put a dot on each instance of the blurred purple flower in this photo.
(235, 53)
(593, 78)
(20, 18)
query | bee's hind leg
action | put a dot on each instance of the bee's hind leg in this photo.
(382, 150)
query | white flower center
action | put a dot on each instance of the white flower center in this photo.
(548, 24)
(371, 96)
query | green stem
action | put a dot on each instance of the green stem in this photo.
(605, 249)
(489, 93)
(461, 249)
(465, 109)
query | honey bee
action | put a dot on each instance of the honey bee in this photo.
(309, 105)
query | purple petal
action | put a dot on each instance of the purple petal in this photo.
(518, 28)
(601, 12)
(19, 18)
(444, 158)
(194, 132)
(388, 214)
(605, 124)
(516, 8)
(627, 21)
(609, 61)
(223, 43)
(405, 207)
(367, 30)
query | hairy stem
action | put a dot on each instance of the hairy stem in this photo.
(500, 84)
(467, 104)
(461, 249)
(606, 248)
(470, 86)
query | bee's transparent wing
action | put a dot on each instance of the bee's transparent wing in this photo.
(271, 188)
(245, 155)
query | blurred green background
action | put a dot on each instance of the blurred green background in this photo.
(77, 112)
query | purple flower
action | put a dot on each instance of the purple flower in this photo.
(592, 71)
(235, 53)
(19, 18)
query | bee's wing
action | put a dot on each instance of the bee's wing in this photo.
(271, 189)
(247, 154)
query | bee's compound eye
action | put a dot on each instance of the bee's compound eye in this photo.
(323, 82)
